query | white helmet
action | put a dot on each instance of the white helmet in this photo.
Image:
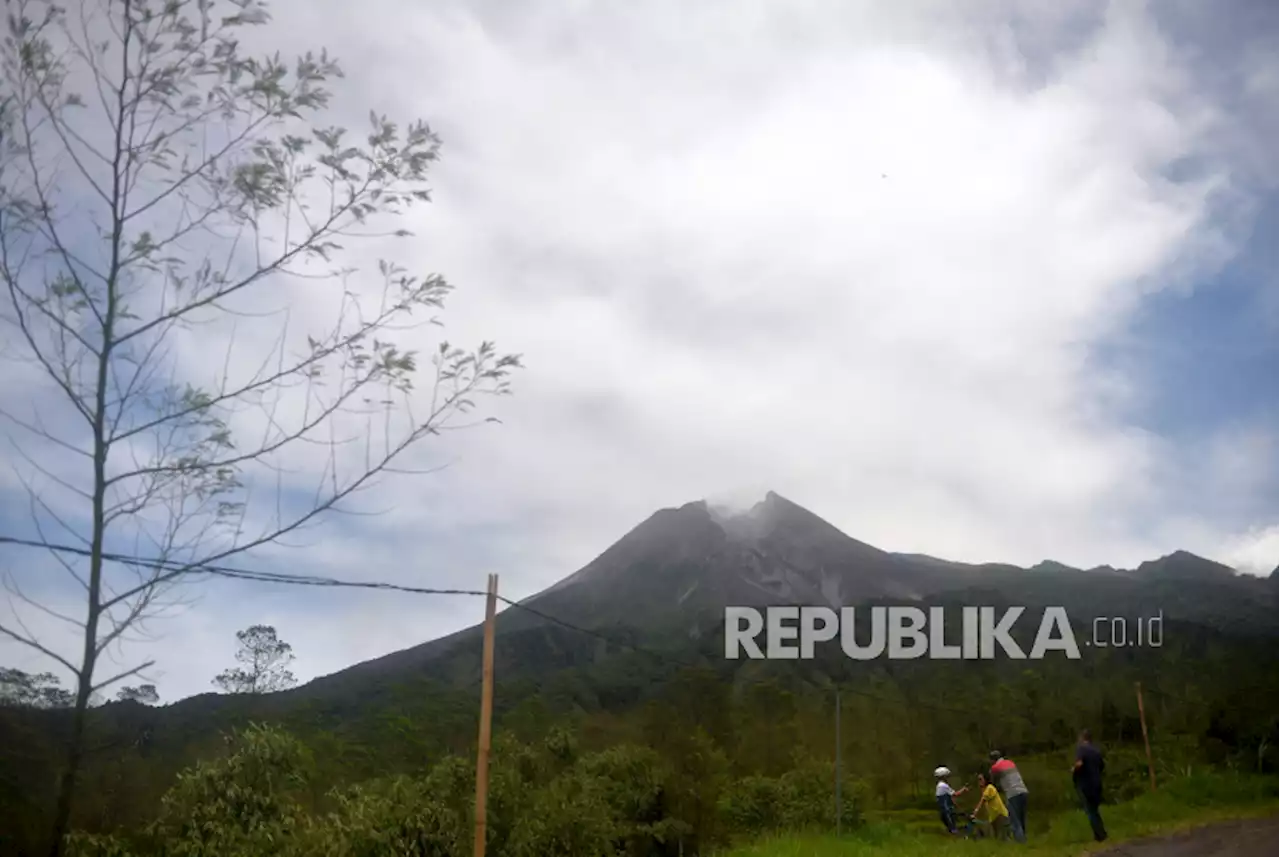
(942, 772)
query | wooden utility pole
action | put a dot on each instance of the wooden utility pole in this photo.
(839, 753)
(486, 715)
(1142, 718)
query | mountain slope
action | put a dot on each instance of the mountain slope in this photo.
(669, 579)
(675, 572)
(653, 603)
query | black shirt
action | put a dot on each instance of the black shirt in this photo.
(1088, 776)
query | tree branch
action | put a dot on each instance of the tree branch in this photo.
(39, 648)
(115, 678)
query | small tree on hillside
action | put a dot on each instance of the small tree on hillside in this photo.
(145, 694)
(27, 690)
(265, 658)
(172, 211)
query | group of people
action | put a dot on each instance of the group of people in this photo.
(1007, 814)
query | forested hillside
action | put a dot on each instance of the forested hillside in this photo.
(717, 733)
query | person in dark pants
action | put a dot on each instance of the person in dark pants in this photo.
(1006, 774)
(1087, 775)
(946, 798)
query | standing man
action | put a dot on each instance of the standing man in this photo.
(1006, 774)
(1087, 775)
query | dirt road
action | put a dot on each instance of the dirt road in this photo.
(1252, 838)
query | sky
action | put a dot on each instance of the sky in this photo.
(988, 281)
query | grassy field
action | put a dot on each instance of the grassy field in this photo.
(1178, 805)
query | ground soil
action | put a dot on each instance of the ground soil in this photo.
(1251, 838)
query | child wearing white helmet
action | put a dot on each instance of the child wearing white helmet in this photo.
(946, 798)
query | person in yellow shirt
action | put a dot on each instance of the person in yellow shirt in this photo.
(997, 814)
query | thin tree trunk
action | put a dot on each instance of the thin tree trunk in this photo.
(101, 447)
(75, 748)
(67, 785)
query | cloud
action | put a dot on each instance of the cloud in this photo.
(861, 254)
(1255, 551)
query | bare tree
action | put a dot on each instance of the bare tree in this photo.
(265, 658)
(159, 190)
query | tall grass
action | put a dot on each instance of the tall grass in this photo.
(1180, 803)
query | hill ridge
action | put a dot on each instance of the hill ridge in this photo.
(671, 576)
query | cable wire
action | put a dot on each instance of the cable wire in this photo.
(316, 580)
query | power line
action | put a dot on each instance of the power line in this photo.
(235, 573)
(316, 580)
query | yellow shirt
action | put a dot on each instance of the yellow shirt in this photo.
(992, 805)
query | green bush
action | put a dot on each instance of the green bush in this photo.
(570, 816)
(753, 805)
(801, 799)
(95, 845)
(243, 805)
(1126, 775)
(633, 784)
(400, 817)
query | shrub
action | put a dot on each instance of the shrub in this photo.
(568, 817)
(396, 817)
(633, 784)
(243, 805)
(801, 799)
(95, 845)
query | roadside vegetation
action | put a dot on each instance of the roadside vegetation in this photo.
(1182, 803)
(548, 797)
(620, 760)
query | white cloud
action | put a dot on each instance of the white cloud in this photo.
(856, 253)
(1256, 551)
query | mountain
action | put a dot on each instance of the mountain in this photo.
(673, 575)
(697, 557)
(669, 579)
(620, 627)
(665, 584)
(608, 646)
(1181, 565)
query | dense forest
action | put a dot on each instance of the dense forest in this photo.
(632, 746)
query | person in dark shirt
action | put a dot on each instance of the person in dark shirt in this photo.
(1087, 775)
